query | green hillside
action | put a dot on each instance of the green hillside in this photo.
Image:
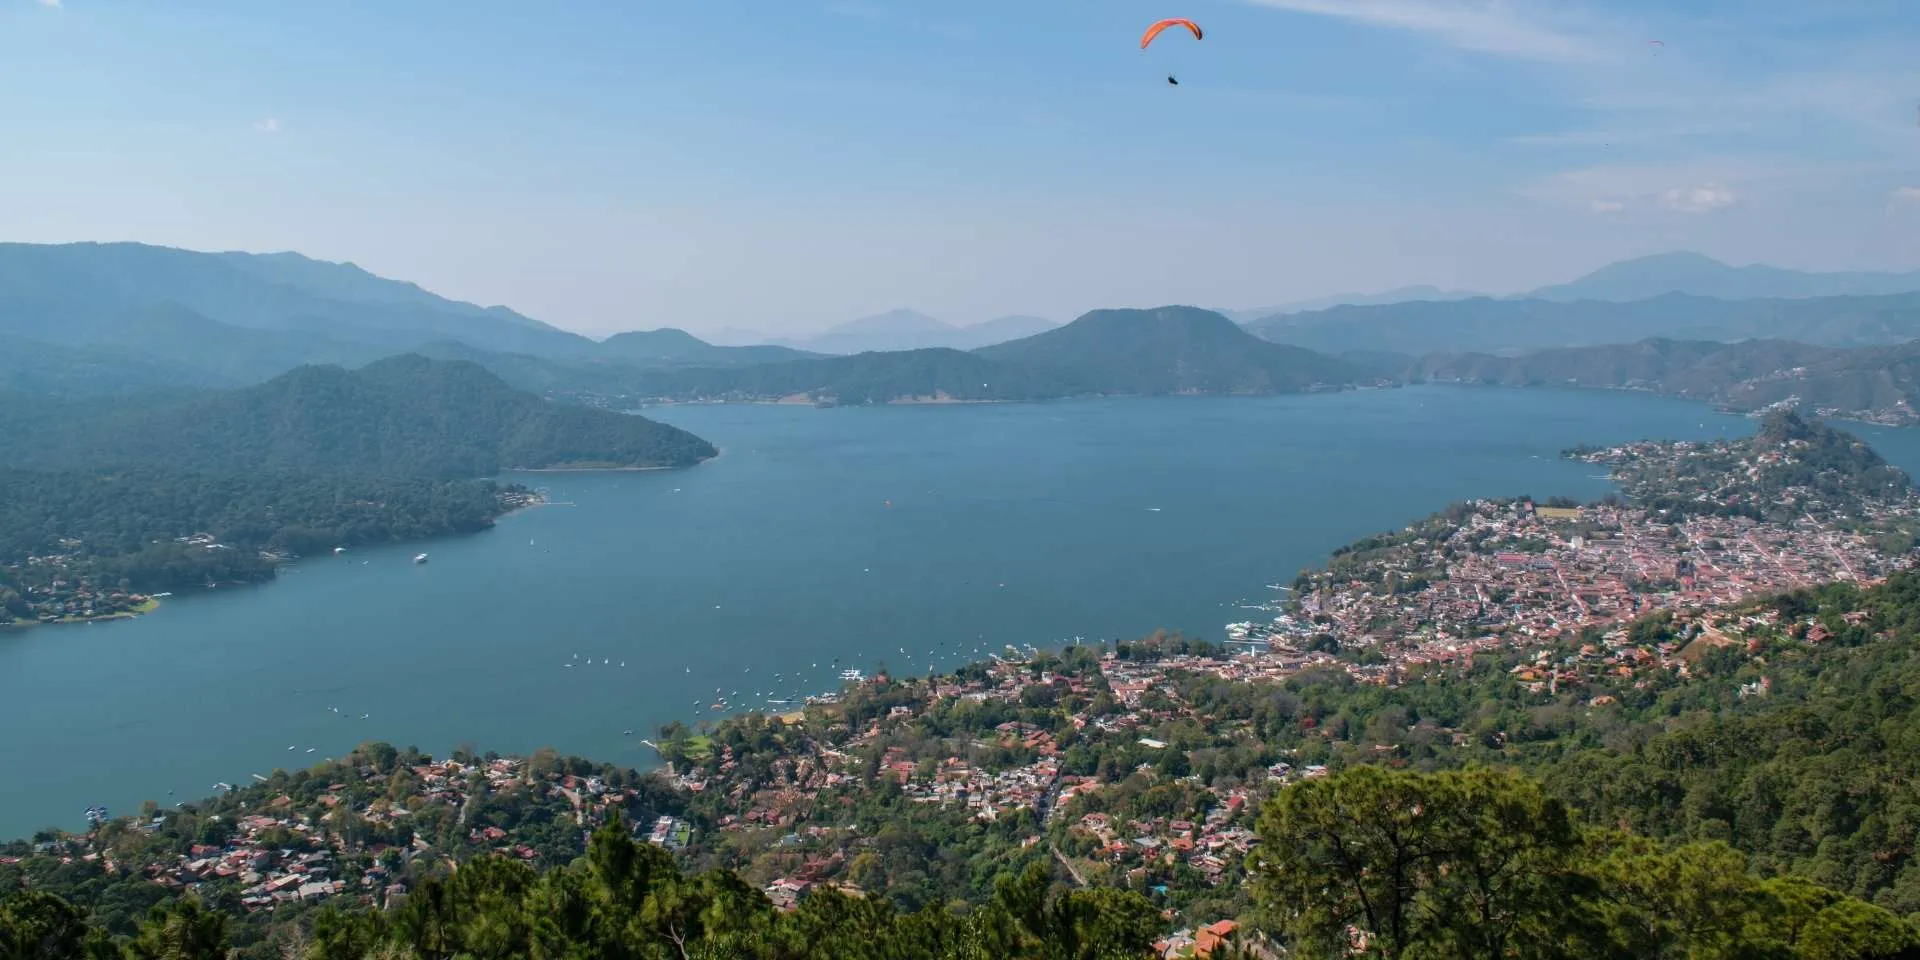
(404, 416)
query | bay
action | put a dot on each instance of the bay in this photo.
(820, 540)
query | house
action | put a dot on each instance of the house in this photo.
(1212, 937)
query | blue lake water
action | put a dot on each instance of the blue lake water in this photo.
(1027, 523)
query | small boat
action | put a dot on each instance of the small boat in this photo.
(339, 550)
(311, 749)
(421, 558)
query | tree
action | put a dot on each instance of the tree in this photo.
(181, 930)
(1446, 865)
(40, 926)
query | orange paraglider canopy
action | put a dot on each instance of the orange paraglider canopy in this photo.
(1154, 30)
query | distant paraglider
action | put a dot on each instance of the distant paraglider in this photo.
(1160, 27)
(1657, 45)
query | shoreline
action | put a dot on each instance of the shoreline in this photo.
(152, 603)
(140, 609)
(608, 469)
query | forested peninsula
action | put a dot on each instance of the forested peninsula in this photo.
(111, 500)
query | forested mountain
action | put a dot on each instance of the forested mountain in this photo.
(1495, 326)
(1700, 275)
(1171, 350)
(404, 416)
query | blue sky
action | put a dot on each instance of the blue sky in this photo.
(783, 165)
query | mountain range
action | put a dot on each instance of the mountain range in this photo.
(1702, 276)
(1495, 326)
(83, 320)
(1639, 278)
(1168, 350)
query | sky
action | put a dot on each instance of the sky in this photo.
(784, 165)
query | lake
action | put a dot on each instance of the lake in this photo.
(819, 540)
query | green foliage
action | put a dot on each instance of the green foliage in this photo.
(1484, 864)
(1473, 864)
(41, 926)
(629, 901)
(183, 929)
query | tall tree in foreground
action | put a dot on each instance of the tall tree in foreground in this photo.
(1473, 864)
(1484, 864)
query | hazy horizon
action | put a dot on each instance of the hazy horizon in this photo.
(790, 168)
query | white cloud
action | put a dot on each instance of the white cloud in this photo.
(1487, 26)
(1705, 198)
(55, 4)
(268, 125)
(1700, 186)
(1606, 206)
(1904, 196)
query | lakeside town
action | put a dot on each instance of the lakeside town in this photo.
(1139, 765)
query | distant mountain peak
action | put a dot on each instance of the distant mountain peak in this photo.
(1688, 272)
(1172, 349)
(899, 319)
